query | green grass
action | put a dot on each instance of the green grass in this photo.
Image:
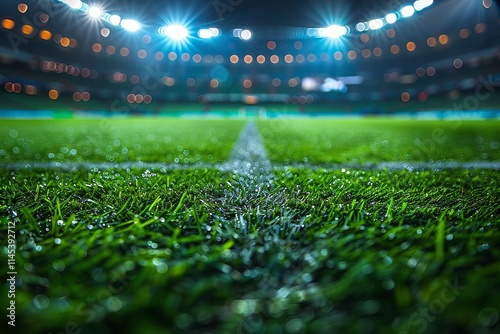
(117, 140)
(204, 251)
(287, 141)
(201, 251)
(326, 141)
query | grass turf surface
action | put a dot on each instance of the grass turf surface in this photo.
(357, 252)
(199, 250)
(375, 140)
(116, 140)
(287, 141)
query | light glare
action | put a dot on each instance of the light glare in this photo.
(75, 4)
(333, 31)
(407, 11)
(130, 25)
(376, 24)
(245, 34)
(95, 12)
(361, 26)
(215, 32)
(175, 32)
(114, 20)
(391, 18)
(208, 33)
(422, 4)
(205, 33)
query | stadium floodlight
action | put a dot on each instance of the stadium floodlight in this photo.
(174, 31)
(376, 24)
(407, 11)
(95, 12)
(215, 32)
(422, 4)
(362, 26)
(391, 18)
(208, 33)
(245, 34)
(130, 25)
(205, 33)
(333, 31)
(75, 4)
(115, 20)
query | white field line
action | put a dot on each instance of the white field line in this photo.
(399, 165)
(249, 161)
(249, 157)
(239, 166)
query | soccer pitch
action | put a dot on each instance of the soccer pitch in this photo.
(273, 226)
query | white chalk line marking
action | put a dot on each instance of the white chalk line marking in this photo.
(234, 166)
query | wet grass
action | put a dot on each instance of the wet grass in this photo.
(210, 252)
(170, 140)
(324, 141)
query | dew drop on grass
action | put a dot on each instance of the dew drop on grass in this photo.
(388, 284)
(114, 304)
(449, 237)
(98, 274)
(294, 325)
(38, 248)
(60, 223)
(41, 302)
(412, 263)
(488, 317)
(59, 265)
(483, 247)
(405, 245)
(57, 241)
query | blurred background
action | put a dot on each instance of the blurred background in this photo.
(249, 58)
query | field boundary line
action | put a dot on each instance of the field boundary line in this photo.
(234, 166)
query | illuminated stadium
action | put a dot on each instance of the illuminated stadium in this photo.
(248, 166)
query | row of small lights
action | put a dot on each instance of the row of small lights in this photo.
(120, 77)
(179, 32)
(56, 67)
(29, 31)
(395, 49)
(147, 99)
(53, 94)
(248, 59)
